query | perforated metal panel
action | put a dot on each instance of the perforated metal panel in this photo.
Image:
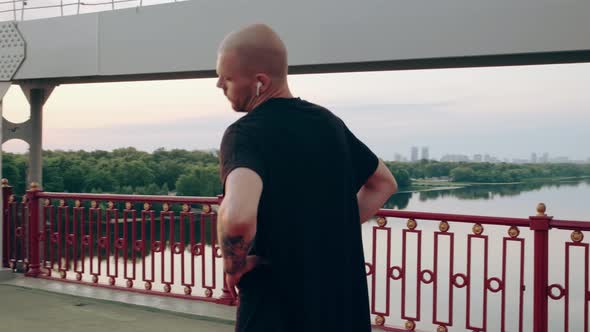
(12, 50)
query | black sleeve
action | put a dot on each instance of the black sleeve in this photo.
(364, 161)
(239, 149)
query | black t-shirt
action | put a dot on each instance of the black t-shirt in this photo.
(308, 226)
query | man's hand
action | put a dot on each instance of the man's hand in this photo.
(233, 279)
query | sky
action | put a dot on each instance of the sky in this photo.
(508, 112)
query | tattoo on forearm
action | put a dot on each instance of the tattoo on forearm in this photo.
(235, 249)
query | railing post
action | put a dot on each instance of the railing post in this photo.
(4, 230)
(33, 201)
(539, 224)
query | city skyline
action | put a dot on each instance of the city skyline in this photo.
(503, 111)
(534, 157)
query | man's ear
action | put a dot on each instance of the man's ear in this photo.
(263, 81)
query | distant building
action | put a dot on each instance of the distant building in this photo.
(545, 158)
(491, 159)
(454, 158)
(425, 153)
(477, 158)
(414, 154)
(534, 158)
(398, 157)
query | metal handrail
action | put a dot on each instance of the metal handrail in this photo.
(20, 6)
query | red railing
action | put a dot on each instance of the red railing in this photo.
(15, 230)
(493, 294)
(426, 271)
(162, 245)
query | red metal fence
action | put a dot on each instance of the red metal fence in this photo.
(162, 245)
(426, 271)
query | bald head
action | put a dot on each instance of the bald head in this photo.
(252, 67)
(258, 49)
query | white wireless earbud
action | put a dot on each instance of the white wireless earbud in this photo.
(258, 85)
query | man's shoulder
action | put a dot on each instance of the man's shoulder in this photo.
(319, 110)
(312, 106)
(241, 124)
(233, 127)
(242, 130)
(277, 105)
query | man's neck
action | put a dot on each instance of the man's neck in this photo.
(284, 93)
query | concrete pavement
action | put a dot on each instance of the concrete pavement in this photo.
(25, 309)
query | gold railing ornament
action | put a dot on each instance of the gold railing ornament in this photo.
(11, 199)
(541, 209)
(206, 208)
(128, 206)
(477, 229)
(577, 236)
(147, 206)
(4, 182)
(441, 328)
(412, 224)
(34, 186)
(166, 207)
(62, 203)
(381, 221)
(186, 207)
(379, 320)
(443, 226)
(513, 232)
(47, 202)
(110, 205)
(94, 204)
(77, 203)
(410, 326)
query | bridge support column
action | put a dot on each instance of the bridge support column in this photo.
(31, 131)
(37, 95)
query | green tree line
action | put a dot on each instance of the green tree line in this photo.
(123, 171)
(484, 172)
(196, 173)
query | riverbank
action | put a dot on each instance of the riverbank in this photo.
(435, 185)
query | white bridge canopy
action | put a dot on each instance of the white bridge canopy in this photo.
(179, 40)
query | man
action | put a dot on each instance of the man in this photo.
(297, 185)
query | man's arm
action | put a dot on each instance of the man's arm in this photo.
(373, 194)
(236, 226)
